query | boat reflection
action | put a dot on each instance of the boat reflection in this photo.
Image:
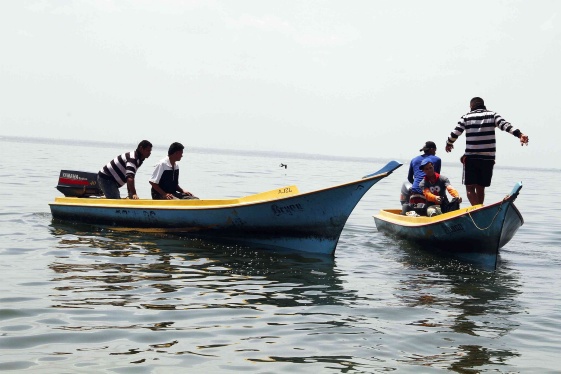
(477, 303)
(103, 267)
(467, 260)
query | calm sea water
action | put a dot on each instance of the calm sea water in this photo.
(80, 299)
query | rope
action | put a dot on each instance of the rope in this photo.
(496, 214)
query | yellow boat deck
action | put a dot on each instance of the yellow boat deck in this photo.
(394, 216)
(275, 194)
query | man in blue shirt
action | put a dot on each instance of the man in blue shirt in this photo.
(416, 174)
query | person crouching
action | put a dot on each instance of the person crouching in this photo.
(434, 187)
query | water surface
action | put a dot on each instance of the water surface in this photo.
(76, 298)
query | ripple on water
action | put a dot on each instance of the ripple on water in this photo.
(78, 298)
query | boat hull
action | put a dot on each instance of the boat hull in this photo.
(309, 222)
(475, 233)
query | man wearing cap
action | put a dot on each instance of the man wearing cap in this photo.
(434, 187)
(416, 174)
(479, 157)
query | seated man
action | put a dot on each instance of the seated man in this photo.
(434, 187)
(416, 175)
(165, 178)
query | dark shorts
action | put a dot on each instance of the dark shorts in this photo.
(417, 198)
(478, 171)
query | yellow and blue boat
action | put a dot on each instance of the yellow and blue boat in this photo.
(282, 218)
(475, 233)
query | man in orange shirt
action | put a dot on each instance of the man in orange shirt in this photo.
(434, 187)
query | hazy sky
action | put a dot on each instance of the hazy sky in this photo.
(350, 78)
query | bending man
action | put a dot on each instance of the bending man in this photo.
(122, 169)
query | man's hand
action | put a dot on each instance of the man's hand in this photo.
(524, 139)
(449, 147)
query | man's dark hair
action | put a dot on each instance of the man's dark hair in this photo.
(174, 147)
(144, 144)
(477, 103)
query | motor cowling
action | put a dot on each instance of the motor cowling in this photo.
(405, 192)
(78, 184)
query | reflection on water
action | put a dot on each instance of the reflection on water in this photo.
(260, 297)
(262, 290)
(164, 268)
(77, 299)
(478, 303)
(479, 260)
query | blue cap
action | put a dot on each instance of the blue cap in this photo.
(425, 161)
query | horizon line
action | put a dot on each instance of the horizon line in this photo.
(301, 155)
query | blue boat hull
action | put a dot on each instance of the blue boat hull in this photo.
(475, 234)
(309, 222)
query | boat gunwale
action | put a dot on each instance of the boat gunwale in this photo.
(196, 204)
(388, 216)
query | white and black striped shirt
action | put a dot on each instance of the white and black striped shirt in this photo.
(122, 166)
(479, 125)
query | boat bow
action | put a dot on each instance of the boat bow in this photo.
(473, 233)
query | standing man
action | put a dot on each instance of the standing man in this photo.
(479, 157)
(165, 178)
(122, 169)
(416, 174)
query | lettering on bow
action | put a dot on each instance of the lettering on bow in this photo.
(454, 228)
(285, 190)
(287, 209)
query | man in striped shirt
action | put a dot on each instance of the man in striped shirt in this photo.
(479, 157)
(122, 169)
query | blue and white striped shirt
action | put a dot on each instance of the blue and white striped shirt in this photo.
(479, 125)
(122, 166)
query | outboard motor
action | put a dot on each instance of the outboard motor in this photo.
(405, 193)
(78, 184)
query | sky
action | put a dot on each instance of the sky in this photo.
(341, 78)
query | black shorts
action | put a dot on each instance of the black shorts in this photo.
(478, 171)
